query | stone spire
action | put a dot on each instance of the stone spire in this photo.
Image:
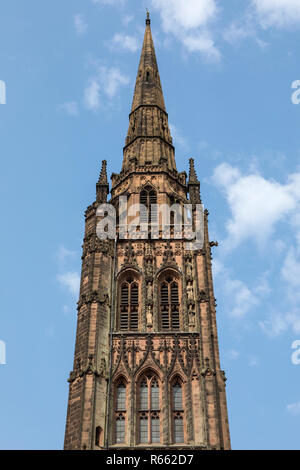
(148, 140)
(148, 90)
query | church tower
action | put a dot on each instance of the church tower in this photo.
(146, 369)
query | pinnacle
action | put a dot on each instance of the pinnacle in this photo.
(193, 175)
(103, 173)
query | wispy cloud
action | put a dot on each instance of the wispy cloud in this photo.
(106, 83)
(71, 281)
(64, 254)
(109, 2)
(124, 42)
(241, 299)
(237, 31)
(294, 408)
(277, 13)
(127, 19)
(189, 22)
(80, 24)
(92, 95)
(257, 204)
(178, 137)
(70, 108)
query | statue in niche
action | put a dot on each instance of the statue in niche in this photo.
(149, 316)
(149, 268)
(190, 291)
(189, 269)
(192, 318)
(149, 291)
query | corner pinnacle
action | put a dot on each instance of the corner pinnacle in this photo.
(192, 176)
(103, 173)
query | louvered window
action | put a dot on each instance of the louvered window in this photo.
(148, 198)
(169, 305)
(129, 303)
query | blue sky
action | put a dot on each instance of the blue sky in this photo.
(227, 70)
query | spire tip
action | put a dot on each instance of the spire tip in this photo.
(148, 21)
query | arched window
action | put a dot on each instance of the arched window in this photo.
(177, 396)
(148, 198)
(178, 413)
(128, 305)
(120, 429)
(178, 429)
(120, 412)
(149, 410)
(121, 397)
(169, 304)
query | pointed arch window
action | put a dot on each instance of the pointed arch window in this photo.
(120, 429)
(177, 411)
(120, 412)
(169, 304)
(149, 410)
(148, 198)
(129, 303)
(121, 397)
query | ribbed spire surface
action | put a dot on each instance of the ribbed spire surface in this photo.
(148, 89)
(148, 140)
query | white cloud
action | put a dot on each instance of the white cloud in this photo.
(188, 20)
(125, 42)
(80, 24)
(240, 299)
(294, 408)
(112, 79)
(63, 254)
(232, 354)
(279, 323)
(92, 95)
(178, 137)
(71, 281)
(291, 268)
(106, 82)
(278, 13)
(71, 108)
(204, 44)
(253, 361)
(127, 19)
(256, 204)
(238, 31)
(109, 2)
(185, 14)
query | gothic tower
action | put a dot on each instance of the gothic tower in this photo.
(146, 369)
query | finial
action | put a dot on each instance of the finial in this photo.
(148, 21)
